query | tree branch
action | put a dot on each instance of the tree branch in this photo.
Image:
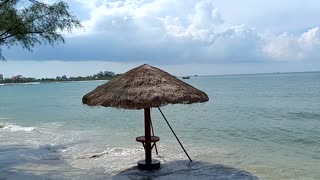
(3, 3)
(37, 23)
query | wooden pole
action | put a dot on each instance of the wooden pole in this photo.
(147, 134)
(148, 163)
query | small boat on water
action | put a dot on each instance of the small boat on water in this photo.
(186, 77)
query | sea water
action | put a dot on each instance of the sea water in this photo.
(263, 126)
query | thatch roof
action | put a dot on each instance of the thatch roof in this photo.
(142, 87)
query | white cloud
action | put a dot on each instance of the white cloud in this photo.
(180, 18)
(166, 31)
(283, 47)
(286, 47)
(310, 39)
(205, 15)
(196, 28)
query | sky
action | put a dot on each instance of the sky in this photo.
(203, 37)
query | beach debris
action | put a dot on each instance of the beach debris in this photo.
(98, 155)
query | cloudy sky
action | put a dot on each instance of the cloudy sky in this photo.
(184, 37)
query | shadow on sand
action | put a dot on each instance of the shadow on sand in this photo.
(43, 162)
(183, 169)
(47, 162)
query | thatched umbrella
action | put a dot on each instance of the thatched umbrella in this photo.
(144, 87)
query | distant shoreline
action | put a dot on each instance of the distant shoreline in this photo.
(44, 82)
(19, 79)
(271, 73)
(193, 76)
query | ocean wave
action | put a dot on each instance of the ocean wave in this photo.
(305, 115)
(31, 83)
(17, 128)
(14, 84)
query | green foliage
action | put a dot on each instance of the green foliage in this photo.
(35, 24)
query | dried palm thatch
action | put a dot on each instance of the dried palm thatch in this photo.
(143, 87)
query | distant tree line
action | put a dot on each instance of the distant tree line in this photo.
(105, 75)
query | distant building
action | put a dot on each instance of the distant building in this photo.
(17, 77)
(1, 77)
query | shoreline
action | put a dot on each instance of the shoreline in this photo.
(46, 82)
(179, 77)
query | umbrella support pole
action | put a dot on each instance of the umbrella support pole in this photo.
(147, 134)
(148, 163)
(174, 134)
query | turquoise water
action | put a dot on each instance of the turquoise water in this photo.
(262, 126)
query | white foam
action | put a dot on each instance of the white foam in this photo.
(18, 128)
(14, 84)
(32, 83)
